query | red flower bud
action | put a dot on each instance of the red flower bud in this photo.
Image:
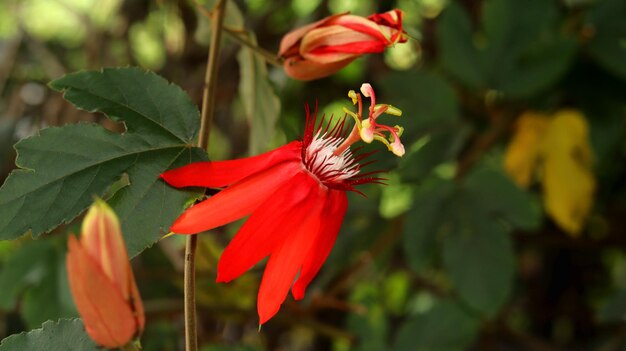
(101, 280)
(324, 47)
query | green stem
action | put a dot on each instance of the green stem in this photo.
(208, 106)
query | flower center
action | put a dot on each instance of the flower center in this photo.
(320, 159)
(326, 152)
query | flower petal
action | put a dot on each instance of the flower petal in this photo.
(291, 39)
(101, 237)
(136, 303)
(267, 228)
(222, 173)
(235, 201)
(362, 25)
(318, 45)
(107, 316)
(285, 262)
(332, 217)
(301, 69)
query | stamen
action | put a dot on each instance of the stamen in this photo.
(326, 150)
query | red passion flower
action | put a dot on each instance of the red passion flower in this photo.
(295, 196)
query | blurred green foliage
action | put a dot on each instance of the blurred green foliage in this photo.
(452, 255)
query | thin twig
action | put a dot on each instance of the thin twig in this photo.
(243, 38)
(208, 106)
(208, 95)
(191, 329)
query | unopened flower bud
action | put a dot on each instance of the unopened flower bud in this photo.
(101, 280)
(322, 48)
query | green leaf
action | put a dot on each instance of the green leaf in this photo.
(63, 168)
(478, 256)
(424, 98)
(608, 44)
(24, 267)
(37, 269)
(458, 54)
(519, 50)
(441, 145)
(372, 326)
(50, 298)
(444, 327)
(424, 221)
(64, 335)
(614, 310)
(465, 218)
(396, 289)
(500, 196)
(260, 103)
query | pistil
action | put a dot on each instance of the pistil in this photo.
(368, 129)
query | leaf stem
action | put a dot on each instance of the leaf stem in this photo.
(242, 38)
(208, 106)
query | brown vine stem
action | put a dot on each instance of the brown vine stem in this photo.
(208, 106)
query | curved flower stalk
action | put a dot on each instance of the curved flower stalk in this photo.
(324, 47)
(102, 282)
(295, 196)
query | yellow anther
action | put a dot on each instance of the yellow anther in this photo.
(390, 109)
(352, 95)
(399, 130)
(398, 149)
(384, 141)
(394, 111)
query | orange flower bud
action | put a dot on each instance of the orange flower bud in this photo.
(101, 280)
(324, 47)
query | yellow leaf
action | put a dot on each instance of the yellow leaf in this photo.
(568, 182)
(522, 153)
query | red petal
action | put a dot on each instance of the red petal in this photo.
(235, 201)
(361, 25)
(391, 19)
(108, 318)
(362, 47)
(222, 173)
(287, 259)
(290, 39)
(267, 228)
(315, 42)
(332, 216)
